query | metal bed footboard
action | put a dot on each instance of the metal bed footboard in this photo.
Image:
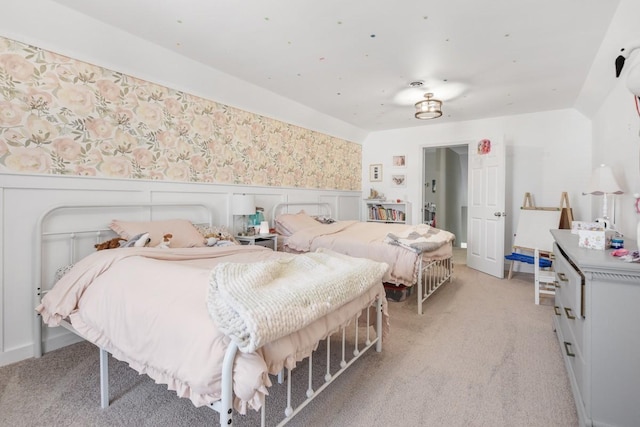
(348, 356)
(224, 406)
(431, 275)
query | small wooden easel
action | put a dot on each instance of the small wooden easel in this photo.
(566, 216)
(533, 229)
(527, 203)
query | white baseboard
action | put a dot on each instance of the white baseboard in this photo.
(15, 355)
(26, 352)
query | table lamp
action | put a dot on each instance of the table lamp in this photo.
(243, 205)
(602, 183)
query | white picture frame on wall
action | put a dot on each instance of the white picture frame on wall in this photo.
(375, 172)
(399, 161)
(398, 180)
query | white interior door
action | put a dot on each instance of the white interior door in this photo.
(486, 213)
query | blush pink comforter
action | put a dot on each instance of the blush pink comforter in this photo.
(366, 240)
(147, 307)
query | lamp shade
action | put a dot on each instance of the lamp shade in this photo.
(243, 204)
(603, 182)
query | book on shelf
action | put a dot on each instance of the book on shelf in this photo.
(380, 213)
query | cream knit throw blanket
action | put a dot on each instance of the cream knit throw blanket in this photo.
(256, 303)
(420, 238)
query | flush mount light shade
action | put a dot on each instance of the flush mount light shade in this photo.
(429, 108)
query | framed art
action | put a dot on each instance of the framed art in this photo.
(484, 146)
(398, 180)
(399, 161)
(375, 173)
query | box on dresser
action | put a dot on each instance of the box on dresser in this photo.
(597, 321)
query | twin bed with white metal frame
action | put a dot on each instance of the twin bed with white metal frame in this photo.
(427, 270)
(52, 234)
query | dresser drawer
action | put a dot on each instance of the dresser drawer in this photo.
(573, 323)
(570, 284)
(575, 357)
(573, 354)
(569, 299)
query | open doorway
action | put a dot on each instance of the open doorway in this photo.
(444, 193)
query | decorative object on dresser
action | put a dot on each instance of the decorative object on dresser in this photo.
(597, 322)
(243, 205)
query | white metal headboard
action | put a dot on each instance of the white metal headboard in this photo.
(323, 208)
(100, 232)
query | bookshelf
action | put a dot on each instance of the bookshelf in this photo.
(389, 212)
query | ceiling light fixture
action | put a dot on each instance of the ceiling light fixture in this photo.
(429, 108)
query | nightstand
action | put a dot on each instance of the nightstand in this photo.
(267, 240)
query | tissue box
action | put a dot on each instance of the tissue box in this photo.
(595, 239)
(576, 226)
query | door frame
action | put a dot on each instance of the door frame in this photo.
(469, 143)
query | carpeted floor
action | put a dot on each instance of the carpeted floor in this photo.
(483, 354)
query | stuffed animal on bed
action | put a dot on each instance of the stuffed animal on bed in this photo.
(138, 241)
(211, 239)
(219, 239)
(166, 240)
(116, 242)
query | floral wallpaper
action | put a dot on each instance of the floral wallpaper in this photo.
(66, 117)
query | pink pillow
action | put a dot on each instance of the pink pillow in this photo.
(185, 235)
(287, 224)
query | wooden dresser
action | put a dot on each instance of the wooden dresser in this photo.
(597, 321)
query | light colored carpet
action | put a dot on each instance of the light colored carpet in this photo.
(459, 256)
(483, 354)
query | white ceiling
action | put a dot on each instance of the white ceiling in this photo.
(354, 59)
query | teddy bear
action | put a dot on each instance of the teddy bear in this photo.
(110, 244)
(166, 240)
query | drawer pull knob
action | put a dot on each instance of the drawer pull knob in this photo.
(567, 310)
(563, 277)
(567, 346)
(557, 310)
